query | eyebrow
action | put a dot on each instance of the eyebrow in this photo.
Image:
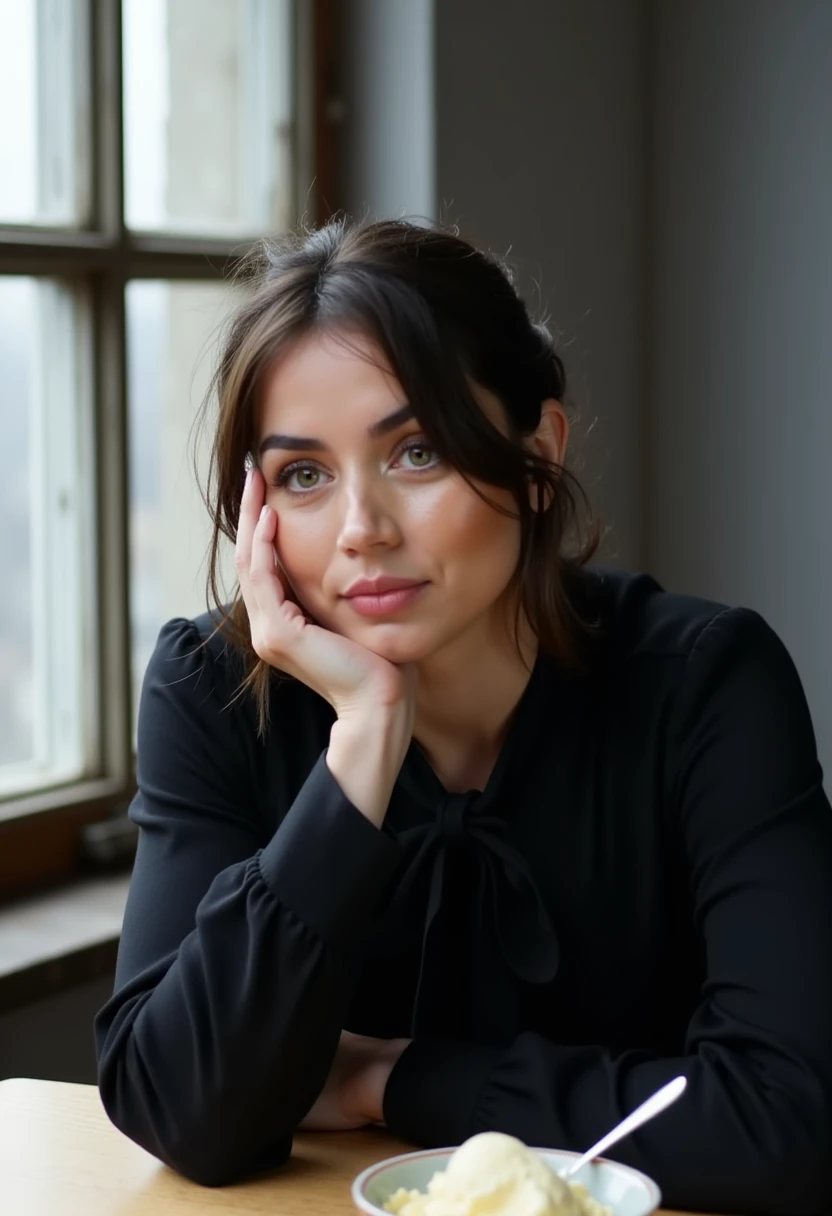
(299, 443)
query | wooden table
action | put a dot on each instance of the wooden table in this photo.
(61, 1156)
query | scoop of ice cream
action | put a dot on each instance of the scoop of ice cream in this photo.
(498, 1174)
(494, 1175)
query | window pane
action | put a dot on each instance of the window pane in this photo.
(46, 675)
(44, 112)
(172, 335)
(17, 659)
(208, 115)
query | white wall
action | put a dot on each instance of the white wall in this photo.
(387, 60)
(739, 505)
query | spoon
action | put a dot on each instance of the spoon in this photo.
(660, 1100)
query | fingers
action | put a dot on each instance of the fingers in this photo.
(254, 556)
(250, 506)
(263, 571)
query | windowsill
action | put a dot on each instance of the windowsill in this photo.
(52, 942)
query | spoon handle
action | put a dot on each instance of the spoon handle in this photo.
(661, 1099)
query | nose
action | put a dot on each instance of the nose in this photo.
(368, 521)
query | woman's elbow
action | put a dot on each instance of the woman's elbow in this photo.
(207, 1149)
(217, 1166)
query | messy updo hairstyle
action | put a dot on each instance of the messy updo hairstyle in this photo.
(446, 316)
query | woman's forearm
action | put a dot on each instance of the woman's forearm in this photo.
(365, 755)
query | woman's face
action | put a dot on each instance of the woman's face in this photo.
(359, 495)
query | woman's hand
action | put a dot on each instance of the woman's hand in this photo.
(350, 677)
(353, 1095)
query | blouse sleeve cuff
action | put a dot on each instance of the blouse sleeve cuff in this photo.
(434, 1090)
(327, 862)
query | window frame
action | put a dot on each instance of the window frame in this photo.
(41, 831)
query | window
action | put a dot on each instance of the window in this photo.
(170, 343)
(145, 144)
(44, 136)
(47, 664)
(207, 158)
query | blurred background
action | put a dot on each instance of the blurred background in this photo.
(659, 172)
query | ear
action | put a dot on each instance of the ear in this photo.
(550, 439)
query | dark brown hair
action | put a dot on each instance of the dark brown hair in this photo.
(446, 316)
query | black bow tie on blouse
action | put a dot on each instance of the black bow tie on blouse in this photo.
(512, 922)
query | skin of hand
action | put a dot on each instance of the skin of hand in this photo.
(353, 1095)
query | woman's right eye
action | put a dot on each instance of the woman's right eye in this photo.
(302, 471)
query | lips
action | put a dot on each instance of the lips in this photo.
(379, 586)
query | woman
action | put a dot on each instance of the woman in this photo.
(439, 825)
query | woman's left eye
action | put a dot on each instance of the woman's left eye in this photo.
(423, 457)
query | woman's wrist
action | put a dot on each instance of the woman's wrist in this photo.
(374, 1078)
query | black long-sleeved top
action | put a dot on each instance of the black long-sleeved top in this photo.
(644, 888)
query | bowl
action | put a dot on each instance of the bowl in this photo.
(626, 1191)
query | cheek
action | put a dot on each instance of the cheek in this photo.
(304, 546)
(465, 527)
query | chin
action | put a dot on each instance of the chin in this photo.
(394, 644)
